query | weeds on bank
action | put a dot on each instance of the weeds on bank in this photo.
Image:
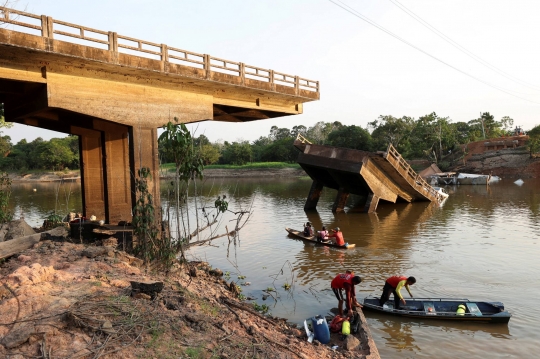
(5, 193)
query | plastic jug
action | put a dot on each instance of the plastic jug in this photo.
(320, 328)
(346, 327)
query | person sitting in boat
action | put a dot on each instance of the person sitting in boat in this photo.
(308, 229)
(338, 235)
(322, 235)
(393, 285)
(346, 282)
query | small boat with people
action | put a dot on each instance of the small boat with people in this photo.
(313, 239)
(443, 308)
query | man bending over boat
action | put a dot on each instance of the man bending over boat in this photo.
(393, 285)
(338, 235)
(346, 281)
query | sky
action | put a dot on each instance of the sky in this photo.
(364, 72)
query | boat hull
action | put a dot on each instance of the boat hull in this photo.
(300, 235)
(443, 309)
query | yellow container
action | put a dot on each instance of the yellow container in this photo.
(461, 309)
(346, 328)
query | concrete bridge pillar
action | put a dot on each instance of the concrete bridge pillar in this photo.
(143, 152)
(313, 196)
(111, 155)
(341, 200)
(371, 203)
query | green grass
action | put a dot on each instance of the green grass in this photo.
(249, 166)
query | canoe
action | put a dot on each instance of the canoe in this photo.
(442, 308)
(313, 239)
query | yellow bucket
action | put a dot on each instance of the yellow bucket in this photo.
(461, 309)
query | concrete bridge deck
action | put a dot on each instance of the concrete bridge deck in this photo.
(376, 176)
(114, 91)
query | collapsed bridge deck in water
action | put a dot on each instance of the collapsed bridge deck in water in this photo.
(376, 176)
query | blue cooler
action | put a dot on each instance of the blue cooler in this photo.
(320, 329)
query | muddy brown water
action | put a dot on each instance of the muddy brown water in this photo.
(482, 244)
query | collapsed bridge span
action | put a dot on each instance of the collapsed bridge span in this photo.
(374, 175)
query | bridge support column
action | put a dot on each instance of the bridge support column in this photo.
(371, 203)
(143, 152)
(92, 178)
(341, 200)
(313, 196)
(105, 171)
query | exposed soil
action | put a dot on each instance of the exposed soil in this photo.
(67, 300)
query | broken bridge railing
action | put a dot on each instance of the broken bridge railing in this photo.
(418, 183)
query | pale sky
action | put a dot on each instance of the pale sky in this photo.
(363, 71)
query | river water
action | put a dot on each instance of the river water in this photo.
(482, 244)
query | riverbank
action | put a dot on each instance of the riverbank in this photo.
(208, 173)
(45, 176)
(65, 299)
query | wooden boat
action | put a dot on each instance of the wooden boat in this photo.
(313, 239)
(443, 308)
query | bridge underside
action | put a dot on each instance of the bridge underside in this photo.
(362, 173)
(116, 102)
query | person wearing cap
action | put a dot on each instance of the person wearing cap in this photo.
(394, 285)
(346, 282)
(338, 235)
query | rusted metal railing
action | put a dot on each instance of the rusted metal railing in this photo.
(394, 158)
(114, 42)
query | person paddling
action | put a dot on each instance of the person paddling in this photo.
(338, 235)
(346, 282)
(393, 285)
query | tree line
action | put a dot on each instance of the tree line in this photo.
(429, 137)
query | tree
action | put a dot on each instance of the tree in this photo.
(280, 151)
(319, 132)
(279, 133)
(54, 154)
(534, 140)
(3, 122)
(507, 123)
(5, 145)
(237, 153)
(209, 154)
(389, 129)
(259, 146)
(298, 130)
(350, 137)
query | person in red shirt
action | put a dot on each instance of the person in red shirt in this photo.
(338, 235)
(393, 285)
(345, 282)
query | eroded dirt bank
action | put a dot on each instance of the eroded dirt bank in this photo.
(61, 299)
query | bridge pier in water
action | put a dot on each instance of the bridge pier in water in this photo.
(341, 200)
(313, 196)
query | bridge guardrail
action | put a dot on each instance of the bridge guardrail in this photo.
(114, 42)
(417, 182)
